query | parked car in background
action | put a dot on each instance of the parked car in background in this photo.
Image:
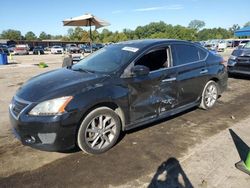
(48, 48)
(1, 51)
(56, 50)
(123, 86)
(72, 48)
(97, 46)
(222, 45)
(38, 50)
(21, 49)
(11, 47)
(239, 61)
(85, 48)
(5, 49)
(242, 43)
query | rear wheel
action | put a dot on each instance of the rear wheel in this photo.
(209, 95)
(99, 131)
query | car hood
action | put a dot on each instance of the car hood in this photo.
(58, 83)
(241, 52)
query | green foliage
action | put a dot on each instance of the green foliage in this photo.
(196, 24)
(215, 33)
(30, 36)
(151, 30)
(44, 36)
(11, 34)
(234, 28)
(78, 34)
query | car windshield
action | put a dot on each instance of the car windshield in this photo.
(106, 60)
(56, 47)
(247, 45)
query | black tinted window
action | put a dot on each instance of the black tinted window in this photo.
(186, 54)
(154, 60)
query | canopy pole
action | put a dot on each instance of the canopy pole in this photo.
(90, 34)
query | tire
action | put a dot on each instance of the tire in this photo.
(93, 137)
(209, 95)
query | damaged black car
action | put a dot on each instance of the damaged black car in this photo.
(119, 87)
(239, 61)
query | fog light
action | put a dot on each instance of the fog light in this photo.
(30, 140)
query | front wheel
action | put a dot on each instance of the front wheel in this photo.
(209, 95)
(99, 131)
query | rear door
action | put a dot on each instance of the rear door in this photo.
(191, 71)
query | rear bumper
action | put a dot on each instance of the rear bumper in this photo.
(222, 83)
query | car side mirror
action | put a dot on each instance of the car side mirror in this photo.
(140, 70)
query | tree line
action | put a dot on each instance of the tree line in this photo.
(195, 31)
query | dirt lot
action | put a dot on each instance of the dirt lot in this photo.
(198, 139)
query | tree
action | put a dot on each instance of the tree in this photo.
(247, 24)
(44, 36)
(196, 24)
(234, 28)
(215, 33)
(11, 34)
(30, 36)
(77, 34)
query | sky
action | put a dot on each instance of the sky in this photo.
(47, 15)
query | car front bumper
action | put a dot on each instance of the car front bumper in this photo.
(235, 70)
(50, 133)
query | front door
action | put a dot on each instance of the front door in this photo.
(156, 92)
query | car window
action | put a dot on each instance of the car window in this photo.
(107, 59)
(247, 45)
(155, 59)
(186, 54)
(202, 53)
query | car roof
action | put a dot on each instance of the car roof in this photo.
(150, 42)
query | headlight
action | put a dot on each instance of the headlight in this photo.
(51, 107)
(233, 57)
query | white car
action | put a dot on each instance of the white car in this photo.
(222, 45)
(56, 50)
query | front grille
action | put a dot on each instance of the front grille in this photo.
(17, 107)
(243, 59)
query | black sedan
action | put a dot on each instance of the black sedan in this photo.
(38, 50)
(239, 61)
(119, 87)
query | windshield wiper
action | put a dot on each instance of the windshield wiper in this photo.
(84, 70)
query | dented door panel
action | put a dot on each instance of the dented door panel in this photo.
(153, 94)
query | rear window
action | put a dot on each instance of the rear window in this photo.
(187, 54)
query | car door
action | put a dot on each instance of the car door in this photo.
(156, 92)
(191, 71)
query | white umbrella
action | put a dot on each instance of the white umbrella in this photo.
(86, 20)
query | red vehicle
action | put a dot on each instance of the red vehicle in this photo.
(22, 49)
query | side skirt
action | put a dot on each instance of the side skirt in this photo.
(161, 116)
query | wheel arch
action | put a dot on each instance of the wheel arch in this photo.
(112, 105)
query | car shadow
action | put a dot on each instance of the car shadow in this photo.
(170, 174)
(239, 77)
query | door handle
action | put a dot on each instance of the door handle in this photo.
(169, 79)
(204, 71)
